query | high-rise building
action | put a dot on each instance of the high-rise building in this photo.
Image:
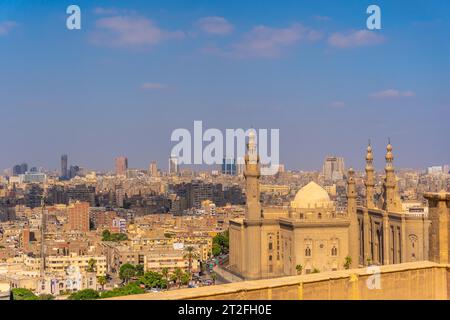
(78, 216)
(229, 166)
(64, 173)
(20, 169)
(333, 168)
(121, 166)
(153, 169)
(23, 168)
(173, 164)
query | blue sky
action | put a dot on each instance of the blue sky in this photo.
(137, 70)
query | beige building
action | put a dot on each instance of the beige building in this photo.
(309, 236)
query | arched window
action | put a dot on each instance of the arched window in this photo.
(334, 251)
(319, 215)
(308, 252)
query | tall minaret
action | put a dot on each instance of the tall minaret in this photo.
(252, 221)
(252, 174)
(370, 179)
(352, 215)
(390, 181)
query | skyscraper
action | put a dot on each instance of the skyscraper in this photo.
(333, 168)
(173, 164)
(121, 166)
(153, 169)
(229, 166)
(64, 174)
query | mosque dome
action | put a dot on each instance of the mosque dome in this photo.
(311, 196)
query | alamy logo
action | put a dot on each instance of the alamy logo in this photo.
(190, 150)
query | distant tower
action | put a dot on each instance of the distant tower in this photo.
(64, 173)
(370, 179)
(173, 164)
(252, 221)
(389, 182)
(352, 215)
(153, 169)
(121, 166)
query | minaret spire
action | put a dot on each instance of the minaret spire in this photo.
(390, 181)
(370, 179)
(253, 215)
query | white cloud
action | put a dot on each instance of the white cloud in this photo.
(355, 39)
(267, 42)
(130, 31)
(215, 25)
(337, 104)
(392, 93)
(152, 86)
(6, 27)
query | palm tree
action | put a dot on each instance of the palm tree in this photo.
(299, 269)
(165, 274)
(101, 281)
(190, 254)
(178, 276)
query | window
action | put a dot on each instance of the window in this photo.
(334, 251)
(270, 246)
(270, 258)
(308, 251)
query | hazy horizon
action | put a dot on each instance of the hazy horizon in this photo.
(138, 70)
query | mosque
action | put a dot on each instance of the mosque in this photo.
(309, 236)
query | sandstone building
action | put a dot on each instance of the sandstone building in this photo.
(309, 236)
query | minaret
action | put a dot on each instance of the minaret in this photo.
(252, 221)
(353, 237)
(390, 181)
(252, 174)
(370, 179)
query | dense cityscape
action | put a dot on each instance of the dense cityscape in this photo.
(224, 150)
(136, 230)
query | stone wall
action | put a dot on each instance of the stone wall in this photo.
(412, 281)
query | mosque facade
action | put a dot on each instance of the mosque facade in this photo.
(309, 236)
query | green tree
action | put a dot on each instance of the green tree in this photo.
(87, 294)
(315, 270)
(214, 277)
(127, 272)
(91, 265)
(221, 243)
(106, 235)
(165, 274)
(348, 262)
(299, 269)
(46, 297)
(130, 288)
(153, 280)
(190, 254)
(102, 281)
(23, 294)
(185, 278)
(178, 276)
(139, 270)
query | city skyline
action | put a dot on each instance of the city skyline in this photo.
(137, 71)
